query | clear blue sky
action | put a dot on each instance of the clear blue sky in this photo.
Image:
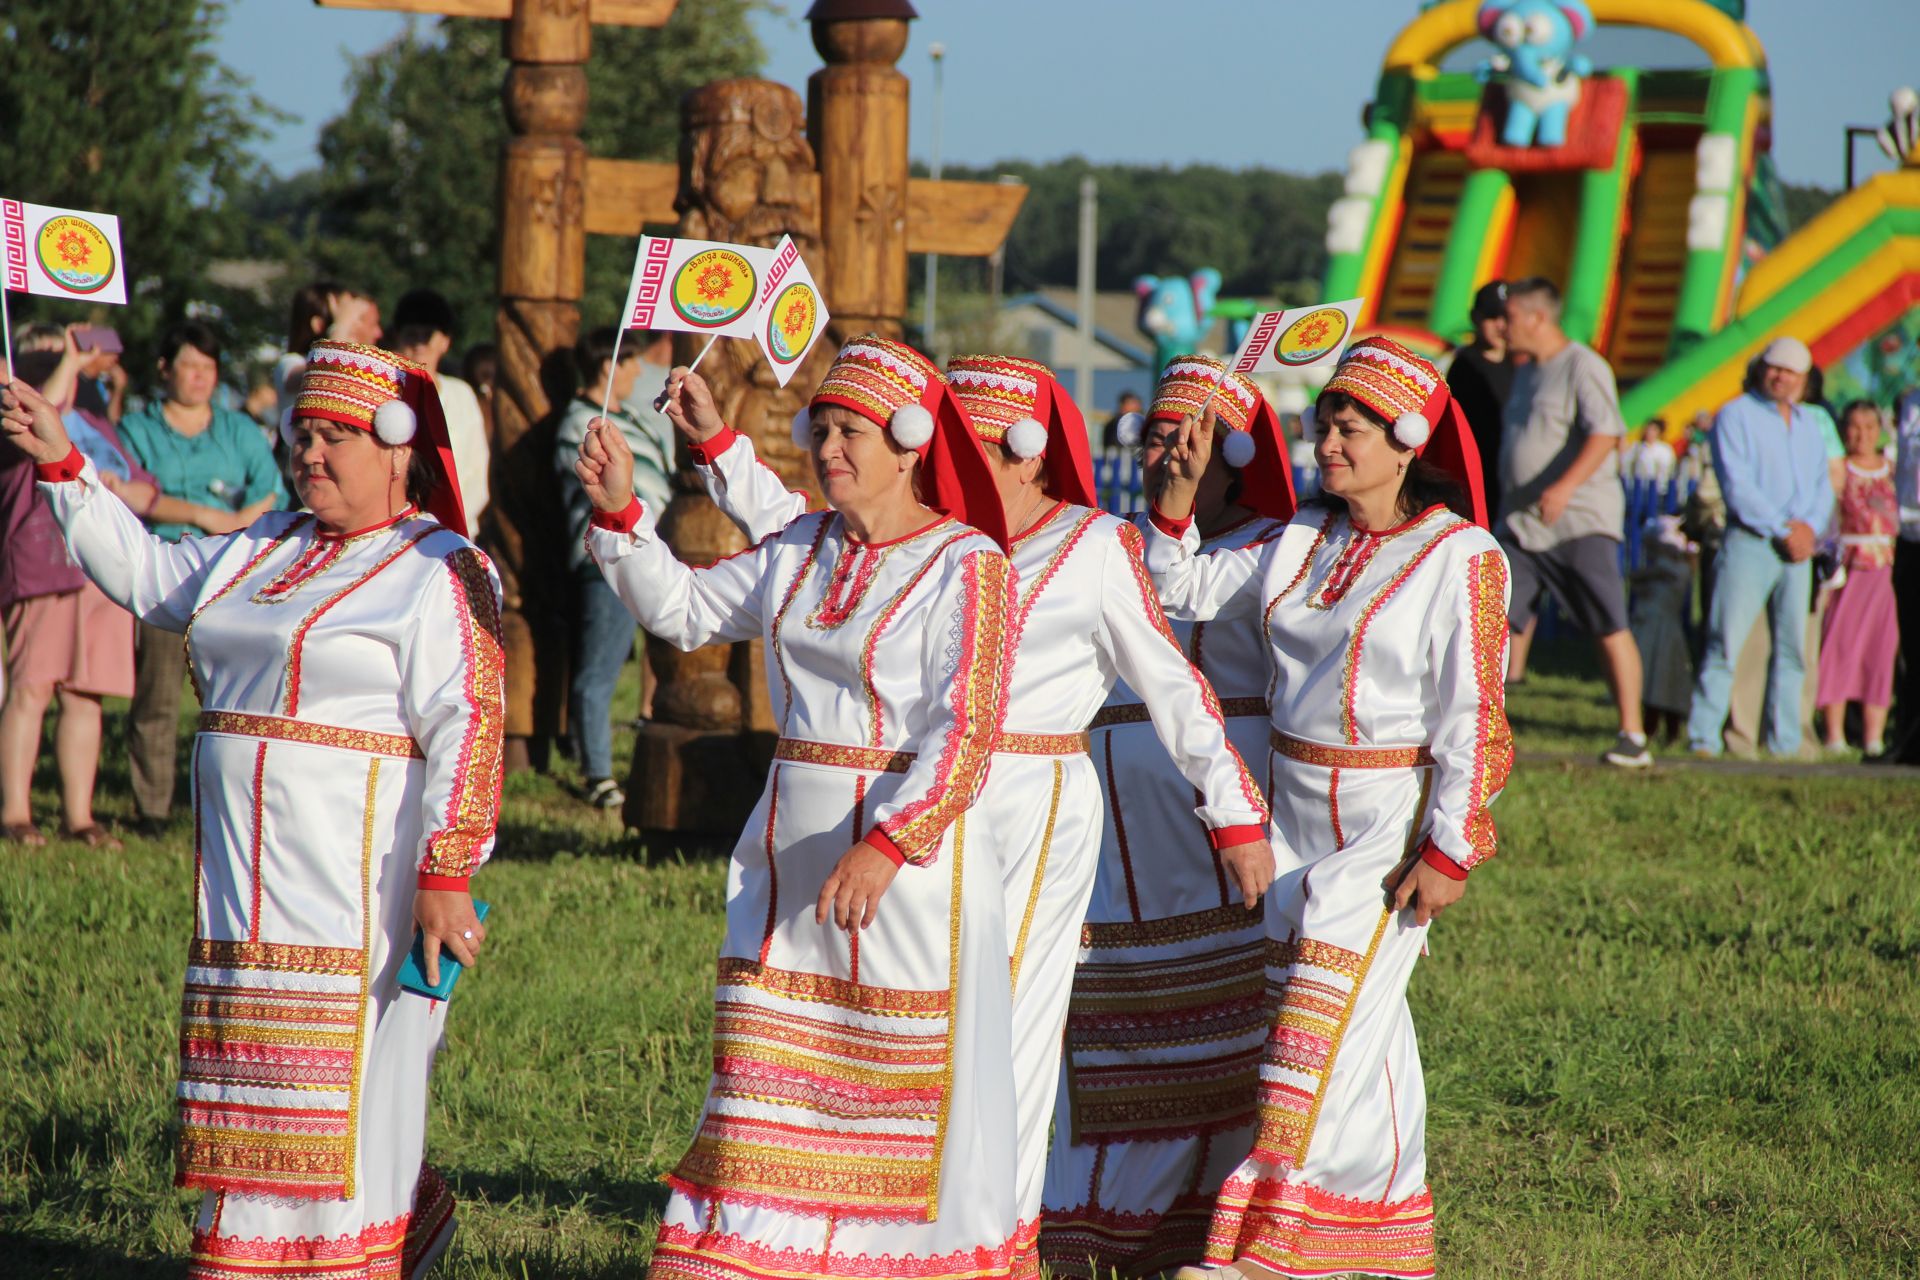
(1278, 83)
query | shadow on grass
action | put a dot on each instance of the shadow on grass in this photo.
(630, 1203)
(47, 1254)
(533, 838)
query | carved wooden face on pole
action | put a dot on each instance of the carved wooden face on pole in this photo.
(747, 177)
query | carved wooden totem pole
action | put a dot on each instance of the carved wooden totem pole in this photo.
(746, 177)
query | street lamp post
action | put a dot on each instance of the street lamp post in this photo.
(938, 52)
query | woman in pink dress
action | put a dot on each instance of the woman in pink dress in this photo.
(1861, 636)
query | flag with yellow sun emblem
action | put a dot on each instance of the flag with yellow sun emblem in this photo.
(792, 313)
(62, 253)
(696, 286)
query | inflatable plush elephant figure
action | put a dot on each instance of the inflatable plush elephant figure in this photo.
(1537, 63)
(1177, 311)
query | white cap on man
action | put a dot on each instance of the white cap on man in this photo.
(1790, 354)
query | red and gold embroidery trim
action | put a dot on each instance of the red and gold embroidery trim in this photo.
(1137, 713)
(1493, 737)
(473, 801)
(285, 957)
(1349, 757)
(1043, 744)
(1351, 675)
(869, 759)
(979, 642)
(279, 728)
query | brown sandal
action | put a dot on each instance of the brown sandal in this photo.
(23, 833)
(94, 836)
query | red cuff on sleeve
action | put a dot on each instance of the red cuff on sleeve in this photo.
(884, 843)
(68, 468)
(1227, 837)
(705, 451)
(1167, 524)
(624, 522)
(1431, 854)
(452, 884)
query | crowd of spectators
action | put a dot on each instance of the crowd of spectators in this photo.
(1769, 587)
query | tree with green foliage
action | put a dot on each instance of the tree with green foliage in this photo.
(1263, 230)
(407, 191)
(120, 106)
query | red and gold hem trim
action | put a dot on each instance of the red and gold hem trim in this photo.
(1136, 712)
(1330, 757)
(840, 756)
(281, 729)
(1043, 744)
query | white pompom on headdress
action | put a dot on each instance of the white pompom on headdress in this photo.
(286, 425)
(1027, 438)
(1129, 429)
(1237, 449)
(911, 426)
(1412, 429)
(394, 422)
(803, 427)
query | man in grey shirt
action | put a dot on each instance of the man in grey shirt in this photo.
(1563, 512)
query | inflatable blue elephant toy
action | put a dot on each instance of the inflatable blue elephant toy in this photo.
(1542, 73)
(1177, 311)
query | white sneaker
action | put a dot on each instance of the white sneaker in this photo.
(1626, 753)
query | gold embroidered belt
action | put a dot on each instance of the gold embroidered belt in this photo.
(282, 729)
(1350, 757)
(1043, 744)
(1136, 712)
(869, 759)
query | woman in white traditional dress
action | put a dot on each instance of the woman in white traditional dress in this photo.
(1168, 1015)
(1085, 617)
(860, 1117)
(1385, 618)
(346, 780)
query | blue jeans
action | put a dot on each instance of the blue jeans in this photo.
(1751, 576)
(602, 639)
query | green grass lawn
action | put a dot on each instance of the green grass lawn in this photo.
(1674, 1030)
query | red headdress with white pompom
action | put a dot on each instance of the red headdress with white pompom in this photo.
(903, 392)
(1019, 403)
(375, 390)
(1253, 446)
(1408, 391)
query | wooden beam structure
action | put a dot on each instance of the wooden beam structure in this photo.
(952, 219)
(603, 13)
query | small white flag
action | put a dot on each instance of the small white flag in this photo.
(1303, 338)
(62, 253)
(696, 286)
(792, 313)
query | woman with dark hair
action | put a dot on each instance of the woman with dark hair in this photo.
(1384, 610)
(217, 475)
(859, 1119)
(1086, 621)
(346, 781)
(323, 309)
(1165, 1021)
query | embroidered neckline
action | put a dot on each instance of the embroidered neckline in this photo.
(1356, 555)
(937, 521)
(320, 555)
(1402, 527)
(1235, 527)
(853, 572)
(1039, 524)
(1885, 469)
(325, 535)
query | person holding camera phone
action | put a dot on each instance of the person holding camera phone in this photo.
(346, 785)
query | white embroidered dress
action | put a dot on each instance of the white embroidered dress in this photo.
(860, 1117)
(349, 750)
(1168, 1013)
(1085, 617)
(1389, 741)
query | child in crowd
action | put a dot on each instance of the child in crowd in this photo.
(1861, 635)
(1661, 591)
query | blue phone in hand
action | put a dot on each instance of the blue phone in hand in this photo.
(413, 970)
